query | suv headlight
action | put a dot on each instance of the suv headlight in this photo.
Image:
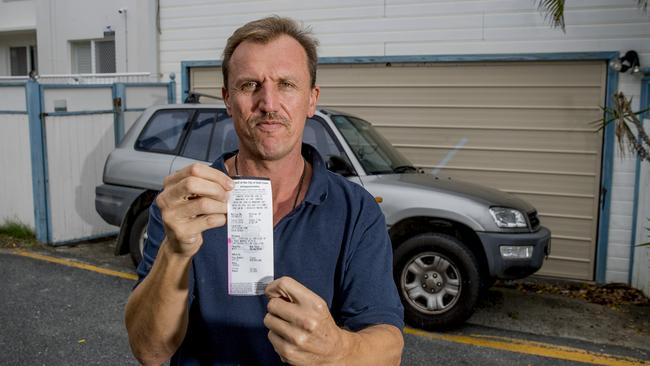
(508, 217)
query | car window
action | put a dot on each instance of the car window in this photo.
(199, 140)
(163, 131)
(372, 150)
(317, 135)
(224, 138)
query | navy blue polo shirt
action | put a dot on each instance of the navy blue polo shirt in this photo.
(335, 243)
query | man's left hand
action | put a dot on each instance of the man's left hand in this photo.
(301, 327)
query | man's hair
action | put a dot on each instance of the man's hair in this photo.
(266, 30)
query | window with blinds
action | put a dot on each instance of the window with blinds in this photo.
(93, 57)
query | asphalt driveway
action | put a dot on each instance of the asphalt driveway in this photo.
(56, 314)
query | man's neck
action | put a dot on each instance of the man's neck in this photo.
(285, 175)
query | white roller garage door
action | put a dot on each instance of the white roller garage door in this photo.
(522, 127)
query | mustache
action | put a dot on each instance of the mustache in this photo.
(269, 117)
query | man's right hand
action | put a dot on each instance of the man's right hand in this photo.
(194, 199)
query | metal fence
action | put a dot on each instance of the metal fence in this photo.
(55, 138)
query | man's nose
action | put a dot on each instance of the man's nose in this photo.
(268, 98)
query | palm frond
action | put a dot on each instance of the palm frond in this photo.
(553, 11)
(623, 116)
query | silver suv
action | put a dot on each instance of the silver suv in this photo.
(451, 239)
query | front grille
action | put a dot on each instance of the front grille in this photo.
(533, 219)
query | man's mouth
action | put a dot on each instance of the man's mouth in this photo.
(270, 125)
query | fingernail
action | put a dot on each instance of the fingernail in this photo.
(230, 184)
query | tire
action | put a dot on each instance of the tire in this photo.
(138, 235)
(438, 281)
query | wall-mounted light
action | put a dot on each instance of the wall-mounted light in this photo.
(629, 61)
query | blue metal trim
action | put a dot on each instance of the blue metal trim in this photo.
(38, 152)
(13, 112)
(13, 83)
(608, 138)
(606, 175)
(643, 104)
(77, 113)
(86, 238)
(46, 167)
(76, 86)
(566, 56)
(171, 91)
(119, 92)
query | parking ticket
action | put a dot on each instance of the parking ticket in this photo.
(250, 236)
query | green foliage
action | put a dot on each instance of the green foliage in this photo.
(17, 230)
(553, 11)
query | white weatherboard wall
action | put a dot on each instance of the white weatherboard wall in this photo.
(641, 276)
(198, 29)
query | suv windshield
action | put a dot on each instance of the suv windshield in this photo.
(374, 152)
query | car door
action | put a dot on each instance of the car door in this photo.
(155, 148)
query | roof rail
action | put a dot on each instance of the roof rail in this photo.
(194, 97)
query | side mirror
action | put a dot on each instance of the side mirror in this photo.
(337, 164)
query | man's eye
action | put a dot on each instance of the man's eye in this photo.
(249, 86)
(286, 84)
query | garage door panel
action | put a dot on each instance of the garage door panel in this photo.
(560, 204)
(545, 73)
(514, 97)
(479, 117)
(486, 137)
(509, 159)
(566, 226)
(523, 127)
(518, 181)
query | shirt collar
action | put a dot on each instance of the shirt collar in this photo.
(317, 191)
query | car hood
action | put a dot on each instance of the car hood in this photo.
(445, 185)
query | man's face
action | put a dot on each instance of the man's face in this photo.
(269, 96)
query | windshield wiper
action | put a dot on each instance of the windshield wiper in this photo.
(404, 168)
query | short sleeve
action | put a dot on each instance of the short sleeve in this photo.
(369, 295)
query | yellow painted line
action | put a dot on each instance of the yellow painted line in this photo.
(75, 264)
(532, 348)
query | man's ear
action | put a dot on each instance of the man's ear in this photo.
(313, 100)
(226, 99)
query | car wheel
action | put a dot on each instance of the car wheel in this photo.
(438, 281)
(138, 236)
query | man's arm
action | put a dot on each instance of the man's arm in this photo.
(156, 316)
(303, 331)
(156, 313)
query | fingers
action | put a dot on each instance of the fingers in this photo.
(293, 291)
(194, 199)
(200, 171)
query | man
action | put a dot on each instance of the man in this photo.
(334, 301)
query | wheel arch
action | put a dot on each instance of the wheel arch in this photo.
(413, 226)
(141, 203)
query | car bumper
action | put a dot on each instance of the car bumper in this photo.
(504, 268)
(112, 202)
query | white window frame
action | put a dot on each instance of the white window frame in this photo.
(93, 63)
